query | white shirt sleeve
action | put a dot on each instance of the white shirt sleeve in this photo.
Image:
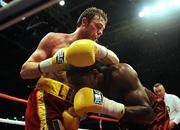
(173, 106)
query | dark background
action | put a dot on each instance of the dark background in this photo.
(150, 45)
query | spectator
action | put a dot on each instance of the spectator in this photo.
(172, 102)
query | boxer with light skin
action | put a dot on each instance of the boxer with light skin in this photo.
(40, 112)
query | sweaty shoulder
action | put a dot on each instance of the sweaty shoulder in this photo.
(124, 68)
(123, 74)
(54, 41)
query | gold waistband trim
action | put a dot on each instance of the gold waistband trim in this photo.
(56, 88)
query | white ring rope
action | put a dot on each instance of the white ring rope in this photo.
(14, 122)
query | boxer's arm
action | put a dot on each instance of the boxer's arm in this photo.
(81, 53)
(77, 54)
(109, 58)
(90, 100)
(30, 69)
(139, 114)
(137, 108)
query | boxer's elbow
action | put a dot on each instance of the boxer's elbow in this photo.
(23, 72)
(23, 75)
(149, 115)
(113, 57)
(27, 73)
(140, 114)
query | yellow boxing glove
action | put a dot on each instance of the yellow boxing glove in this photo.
(85, 52)
(81, 53)
(70, 120)
(91, 100)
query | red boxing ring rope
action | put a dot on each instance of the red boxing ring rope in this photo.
(13, 98)
(103, 118)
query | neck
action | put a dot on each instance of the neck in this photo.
(77, 34)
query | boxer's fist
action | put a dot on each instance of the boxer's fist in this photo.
(70, 120)
(81, 53)
(91, 100)
(85, 52)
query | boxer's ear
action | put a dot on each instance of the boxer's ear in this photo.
(95, 71)
(96, 75)
(84, 21)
